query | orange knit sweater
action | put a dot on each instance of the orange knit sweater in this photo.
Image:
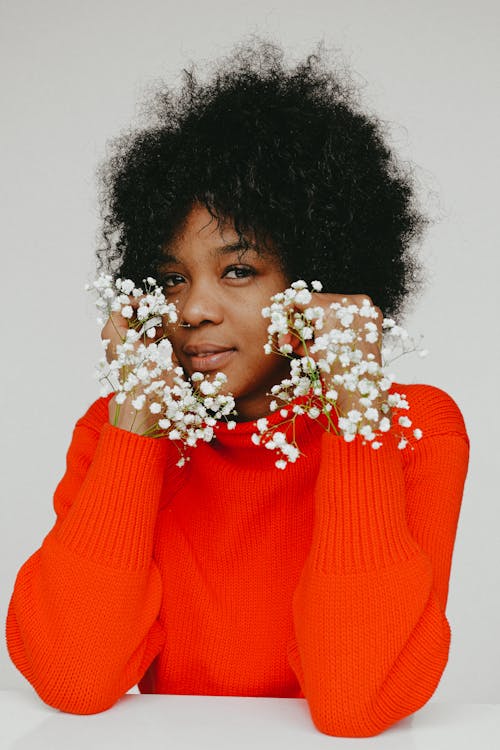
(327, 580)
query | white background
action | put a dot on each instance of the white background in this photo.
(73, 75)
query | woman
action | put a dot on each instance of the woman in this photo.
(327, 581)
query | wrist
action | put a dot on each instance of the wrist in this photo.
(126, 417)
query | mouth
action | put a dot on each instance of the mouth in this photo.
(205, 359)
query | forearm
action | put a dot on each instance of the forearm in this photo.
(112, 518)
(365, 613)
(80, 633)
(82, 622)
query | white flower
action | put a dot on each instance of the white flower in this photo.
(279, 438)
(207, 388)
(280, 464)
(384, 383)
(303, 297)
(345, 424)
(189, 410)
(138, 402)
(417, 433)
(354, 415)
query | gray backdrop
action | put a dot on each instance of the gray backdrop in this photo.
(73, 75)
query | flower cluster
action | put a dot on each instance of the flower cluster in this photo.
(333, 360)
(142, 369)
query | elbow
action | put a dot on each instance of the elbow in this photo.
(59, 686)
(81, 697)
(351, 716)
(351, 724)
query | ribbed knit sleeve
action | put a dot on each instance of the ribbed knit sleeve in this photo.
(372, 638)
(82, 623)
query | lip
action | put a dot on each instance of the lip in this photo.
(208, 357)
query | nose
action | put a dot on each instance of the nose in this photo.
(200, 304)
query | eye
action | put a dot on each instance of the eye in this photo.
(239, 272)
(172, 279)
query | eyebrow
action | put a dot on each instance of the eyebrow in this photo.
(226, 249)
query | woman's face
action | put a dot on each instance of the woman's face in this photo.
(220, 289)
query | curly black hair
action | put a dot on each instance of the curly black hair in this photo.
(288, 157)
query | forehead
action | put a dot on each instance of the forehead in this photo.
(200, 226)
(175, 254)
(202, 236)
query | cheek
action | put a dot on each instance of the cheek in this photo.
(176, 346)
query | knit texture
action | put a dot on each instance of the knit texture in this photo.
(326, 581)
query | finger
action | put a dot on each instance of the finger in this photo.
(306, 299)
(154, 322)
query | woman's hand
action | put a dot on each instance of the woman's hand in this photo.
(347, 400)
(125, 416)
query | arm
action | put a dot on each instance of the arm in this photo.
(372, 638)
(82, 623)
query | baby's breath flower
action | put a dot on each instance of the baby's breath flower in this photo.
(338, 362)
(384, 424)
(138, 402)
(186, 410)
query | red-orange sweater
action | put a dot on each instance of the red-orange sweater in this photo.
(327, 580)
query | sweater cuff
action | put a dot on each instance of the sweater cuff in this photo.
(360, 516)
(112, 519)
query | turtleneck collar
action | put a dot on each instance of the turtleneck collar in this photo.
(236, 443)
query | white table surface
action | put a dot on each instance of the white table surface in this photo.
(191, 721)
